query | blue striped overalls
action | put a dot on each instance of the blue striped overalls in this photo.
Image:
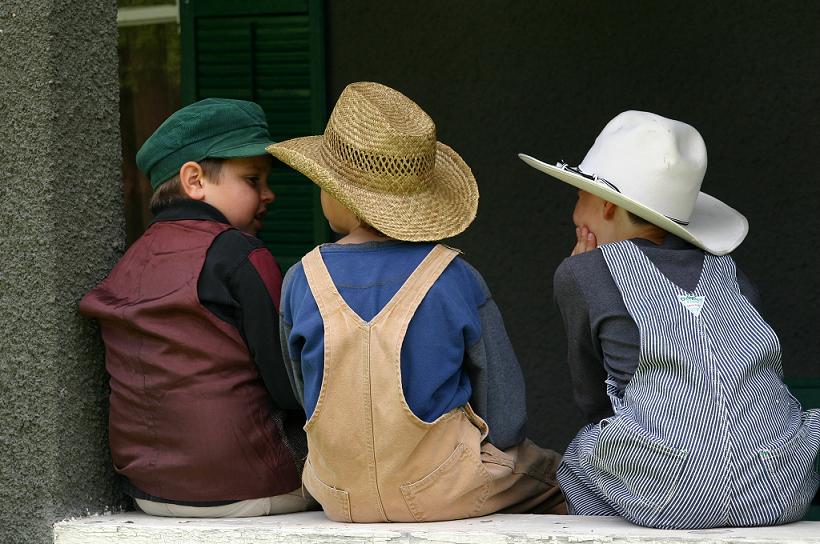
(705, 434)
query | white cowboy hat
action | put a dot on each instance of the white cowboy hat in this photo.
(653, 167)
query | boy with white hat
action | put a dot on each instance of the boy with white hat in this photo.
(414, 397)
(704, 432)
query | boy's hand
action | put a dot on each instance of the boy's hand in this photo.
(585, 241)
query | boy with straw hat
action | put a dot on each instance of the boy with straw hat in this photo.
(704, 432)
(414, 397)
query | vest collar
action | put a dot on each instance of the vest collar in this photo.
(189, 209)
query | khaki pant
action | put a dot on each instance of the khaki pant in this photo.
(297, 500)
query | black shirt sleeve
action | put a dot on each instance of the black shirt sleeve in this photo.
(237, 289)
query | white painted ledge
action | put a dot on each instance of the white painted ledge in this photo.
(314, 527)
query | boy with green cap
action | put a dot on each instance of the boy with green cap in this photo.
(200, 399)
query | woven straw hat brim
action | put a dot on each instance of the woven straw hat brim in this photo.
(442, 209)
(713, 225)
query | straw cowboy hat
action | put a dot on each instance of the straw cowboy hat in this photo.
(379, 157)
(653, 167)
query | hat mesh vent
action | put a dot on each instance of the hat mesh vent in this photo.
(384, 172)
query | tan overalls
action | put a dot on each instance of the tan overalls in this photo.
(371, 459)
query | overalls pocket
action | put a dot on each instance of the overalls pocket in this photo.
(790, 466)
(635, 471)
(456, 489)
(335, 502)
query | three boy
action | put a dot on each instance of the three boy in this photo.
(398, 354)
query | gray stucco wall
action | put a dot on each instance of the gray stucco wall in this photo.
(61, 229)
(502, 77)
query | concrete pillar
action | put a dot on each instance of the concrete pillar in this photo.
(61, 230)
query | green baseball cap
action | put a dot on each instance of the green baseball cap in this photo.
(214, 128)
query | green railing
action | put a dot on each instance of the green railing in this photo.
(807, 391)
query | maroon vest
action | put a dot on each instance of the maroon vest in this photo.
(190, 418)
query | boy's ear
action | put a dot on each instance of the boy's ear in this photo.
(191, 180)
(609, 210)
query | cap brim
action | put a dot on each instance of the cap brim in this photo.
(713, 226)
(441, 210)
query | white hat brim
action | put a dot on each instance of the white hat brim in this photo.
(713, 226)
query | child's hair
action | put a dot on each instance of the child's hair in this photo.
(372, 229)
(171, 191)
(637, 220)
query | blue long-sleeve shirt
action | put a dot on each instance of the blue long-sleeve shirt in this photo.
(456, 348)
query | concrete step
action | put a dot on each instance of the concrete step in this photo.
(314, 527)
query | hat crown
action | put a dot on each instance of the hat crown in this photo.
(381, 138)
(210, 128)
(656, 161)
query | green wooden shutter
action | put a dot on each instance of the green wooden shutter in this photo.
(807, 391)
(270, 52)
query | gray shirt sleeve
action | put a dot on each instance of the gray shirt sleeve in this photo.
(499, 395)
(584, 349)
